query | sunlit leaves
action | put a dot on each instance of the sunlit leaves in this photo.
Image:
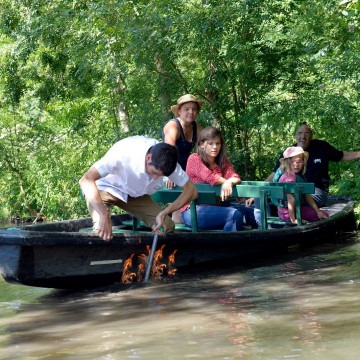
(72, 70)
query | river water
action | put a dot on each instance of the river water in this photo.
(300, 305)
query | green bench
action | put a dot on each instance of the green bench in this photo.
(297, 189)
(166, 196)
(208, 194)
(261, 191)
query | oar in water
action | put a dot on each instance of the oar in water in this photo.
(151, 258)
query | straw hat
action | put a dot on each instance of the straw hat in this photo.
(293, 151)
(184, 99)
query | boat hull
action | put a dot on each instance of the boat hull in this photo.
(57, 255)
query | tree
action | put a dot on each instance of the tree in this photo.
(77, 76)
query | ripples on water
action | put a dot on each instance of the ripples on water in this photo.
(303, 305)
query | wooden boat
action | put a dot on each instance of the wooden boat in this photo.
(65, 255)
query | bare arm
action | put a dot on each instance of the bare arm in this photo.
(171, 133)
(270, 177)
(350, 155)
(91, 192)
(188, 194)
(312, 203)
(291, 208)
(234, 180)
(227, 184)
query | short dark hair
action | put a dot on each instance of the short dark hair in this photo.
(164, 157)
(304, 123)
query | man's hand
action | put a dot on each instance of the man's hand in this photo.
(105, 227)
(160, 228)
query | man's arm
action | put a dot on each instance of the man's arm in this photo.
(350, 155)
(91, 193)
(189, 193)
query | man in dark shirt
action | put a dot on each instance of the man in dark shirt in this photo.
(320, 154)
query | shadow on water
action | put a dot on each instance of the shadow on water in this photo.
(208, 280)
(287, 305)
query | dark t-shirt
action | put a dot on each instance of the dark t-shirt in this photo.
(317, 169)
(184, 147)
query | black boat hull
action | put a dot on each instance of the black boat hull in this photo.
(57, 255)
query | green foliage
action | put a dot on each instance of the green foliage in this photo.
(4, 214)
(77, 76)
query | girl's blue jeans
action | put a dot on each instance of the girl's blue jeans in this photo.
(215, 217)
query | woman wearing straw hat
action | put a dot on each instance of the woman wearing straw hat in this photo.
(292, 169)
(183, 130)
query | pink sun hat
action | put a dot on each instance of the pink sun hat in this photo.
(294, 151)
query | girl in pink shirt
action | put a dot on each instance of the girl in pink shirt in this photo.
(210, 165)
(293, 167)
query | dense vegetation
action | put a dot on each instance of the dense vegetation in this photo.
(77, 75)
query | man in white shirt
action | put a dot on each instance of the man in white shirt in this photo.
(126, 176)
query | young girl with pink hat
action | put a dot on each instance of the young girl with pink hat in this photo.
(292, 169)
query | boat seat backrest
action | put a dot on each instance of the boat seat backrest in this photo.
(289, 187)
(263, 190)
(205, 196)
(208, 194)
(296, 188)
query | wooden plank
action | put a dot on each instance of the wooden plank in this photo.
(306, 188)
(205, 196)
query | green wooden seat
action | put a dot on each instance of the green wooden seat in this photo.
(137, 225)
(297, 189)
(208, 194)
(205, 196)
(261, 191)
(165, 196)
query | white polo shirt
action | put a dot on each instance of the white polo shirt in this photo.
(122, 169)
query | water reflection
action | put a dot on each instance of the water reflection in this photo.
(296, 306)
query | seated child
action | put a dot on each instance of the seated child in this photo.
(292, 169)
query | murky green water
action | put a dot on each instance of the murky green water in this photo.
(303, 305)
